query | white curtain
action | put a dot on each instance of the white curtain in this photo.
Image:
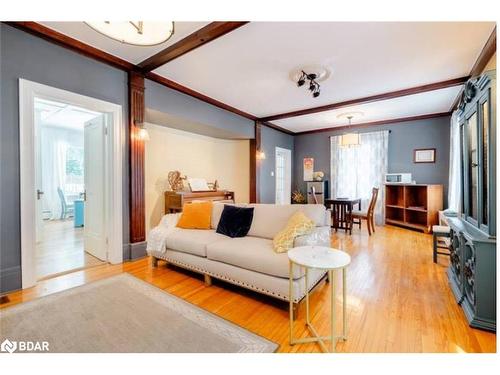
(54, 158)
(454, 186)
(355, 171)
(54, 146)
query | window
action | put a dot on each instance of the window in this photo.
(356, 170)
(73, 179)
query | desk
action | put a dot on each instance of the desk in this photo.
(342, 212)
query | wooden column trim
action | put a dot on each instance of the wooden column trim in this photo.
(136, 119)
(255, 145)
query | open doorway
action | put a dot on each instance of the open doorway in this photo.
(71, 181)
(70, 149)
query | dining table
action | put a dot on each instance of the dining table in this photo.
(341, 209)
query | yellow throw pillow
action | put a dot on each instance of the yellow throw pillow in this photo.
(196, 216)
(298, 225)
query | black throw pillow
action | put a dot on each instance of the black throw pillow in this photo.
(235, 221)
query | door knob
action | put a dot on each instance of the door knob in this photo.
(84, 195)
(39, 194)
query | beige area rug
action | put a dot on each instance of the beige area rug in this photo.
(125, 314)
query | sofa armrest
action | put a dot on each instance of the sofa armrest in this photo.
(320, 236)
(158, 235)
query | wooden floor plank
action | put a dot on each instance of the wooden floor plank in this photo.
(398, 299)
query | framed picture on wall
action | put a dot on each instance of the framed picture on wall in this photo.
(424, 155)
(308, 169)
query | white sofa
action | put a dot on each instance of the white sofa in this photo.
(248, 261)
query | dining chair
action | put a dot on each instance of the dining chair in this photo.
(67, 209)
(358, 216)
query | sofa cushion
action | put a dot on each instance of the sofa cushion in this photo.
(196, 215)
(254, 254)
(269, 219)
(192, 241)
(235, 221)
(217, 209)
(298, 225)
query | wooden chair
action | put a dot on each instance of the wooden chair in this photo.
(358, 216)
(440, 240)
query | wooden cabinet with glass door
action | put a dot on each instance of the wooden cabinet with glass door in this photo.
(472, 273)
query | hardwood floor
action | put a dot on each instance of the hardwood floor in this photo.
(398, 299)
(61, 250)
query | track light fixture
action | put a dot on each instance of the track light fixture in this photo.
(313, 85)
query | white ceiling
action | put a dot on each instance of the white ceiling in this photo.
(249, 67)
(133, 54)
(430, 102)
(63, 115)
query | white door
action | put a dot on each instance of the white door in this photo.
(94, 241)
(38, 179)
(283, 175)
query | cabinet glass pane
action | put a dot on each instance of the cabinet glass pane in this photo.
(485, 125)
(462, 190)
(473, 164)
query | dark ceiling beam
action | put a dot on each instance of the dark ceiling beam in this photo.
(376, 123)
(200, 37)
(370, 99)
(84, 49)
(195, 94)
(486, 54)
(58, 38)
(482, 60)
(277, 127)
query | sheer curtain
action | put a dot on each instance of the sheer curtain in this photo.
(355, 171)
(454, 186)
(53, 156)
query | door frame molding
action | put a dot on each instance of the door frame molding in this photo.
(28, 90)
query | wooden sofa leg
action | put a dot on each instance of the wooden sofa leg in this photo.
(154, 261)
(208, 280)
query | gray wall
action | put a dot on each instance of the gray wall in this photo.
(177, 104)
(403, 139)
(25, 56)
(270, 139)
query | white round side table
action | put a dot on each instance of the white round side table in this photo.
(327, 259)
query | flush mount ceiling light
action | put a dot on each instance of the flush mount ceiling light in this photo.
(316, 74)
(314, 86)
(136, 33)
(350, 139)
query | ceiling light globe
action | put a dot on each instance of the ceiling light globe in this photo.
(136, 33)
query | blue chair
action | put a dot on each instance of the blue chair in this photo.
(67, 209)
